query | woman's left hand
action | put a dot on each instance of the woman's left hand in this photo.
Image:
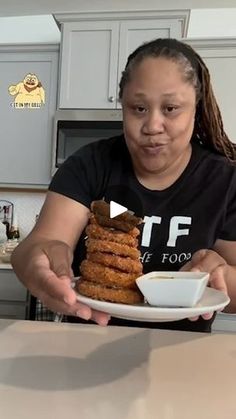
(209, 261)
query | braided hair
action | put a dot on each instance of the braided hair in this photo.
(208, 128)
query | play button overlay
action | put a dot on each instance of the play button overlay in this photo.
(116, 209)
(127, 198)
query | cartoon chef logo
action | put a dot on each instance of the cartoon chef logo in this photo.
(28, 93)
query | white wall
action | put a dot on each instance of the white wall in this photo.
(41, 27)
(31, 29)
(26, 205)
(29, 7)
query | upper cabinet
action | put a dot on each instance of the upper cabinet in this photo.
(88, 72)
(28, 92)
(95, 48)
(220, 58)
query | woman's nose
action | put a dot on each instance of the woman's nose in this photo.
(154, 123)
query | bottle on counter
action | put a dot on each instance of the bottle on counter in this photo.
(14, 232)
(5, 219)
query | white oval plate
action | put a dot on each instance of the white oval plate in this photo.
(212, 300)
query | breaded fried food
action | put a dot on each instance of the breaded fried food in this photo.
(114, 223)
(103, 208)
(125, 264)
(106, 276)
(112, 261)
(95, 231)
(105, 246)
(114, 295)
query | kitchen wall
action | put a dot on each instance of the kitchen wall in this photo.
(29, 7)
(27, 205)
(34, 29)
(215, 23)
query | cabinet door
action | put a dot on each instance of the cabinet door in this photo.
(133, 33)
(220, 58)
(89, 65)
(13, 296)
(26, 131)
(11, 289)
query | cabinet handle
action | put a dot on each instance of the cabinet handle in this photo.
(111, 99)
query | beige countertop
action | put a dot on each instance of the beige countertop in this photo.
(5, 265)
(59, 370)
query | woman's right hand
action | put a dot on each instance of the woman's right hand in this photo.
(48, 276)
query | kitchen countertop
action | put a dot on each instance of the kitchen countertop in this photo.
(60, 370)
(5, 265)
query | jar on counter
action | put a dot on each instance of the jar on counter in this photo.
(6, 250)
(6, 219)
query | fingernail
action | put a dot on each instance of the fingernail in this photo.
(103, 322)
(83, 313)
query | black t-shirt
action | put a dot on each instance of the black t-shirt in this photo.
(191, 214)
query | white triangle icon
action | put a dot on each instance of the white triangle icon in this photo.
(116, 209)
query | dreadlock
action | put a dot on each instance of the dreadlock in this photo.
(208, 128)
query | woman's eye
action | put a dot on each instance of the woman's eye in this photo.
(170, 108)
(140, 109)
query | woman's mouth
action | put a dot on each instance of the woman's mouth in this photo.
(154, 149)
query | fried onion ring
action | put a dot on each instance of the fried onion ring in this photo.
(125, 264)
(113, 223)
(115, 295)
(103, 208)
(94, 245)
(94, 272)
(97, 232)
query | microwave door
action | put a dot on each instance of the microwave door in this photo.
(61, 147)
(72, 135)
(69, 141)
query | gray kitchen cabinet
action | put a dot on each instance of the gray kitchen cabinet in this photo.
(88, 72)
(94, 53)
(14, 297)
(220, 57)
(28, 93)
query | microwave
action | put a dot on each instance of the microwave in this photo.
(72, 129)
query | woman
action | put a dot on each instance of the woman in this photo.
(174, 158)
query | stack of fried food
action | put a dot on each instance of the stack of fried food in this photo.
(112, 264)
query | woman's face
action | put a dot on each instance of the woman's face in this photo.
(158, 114)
